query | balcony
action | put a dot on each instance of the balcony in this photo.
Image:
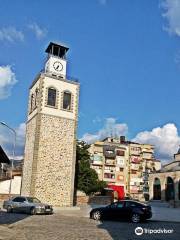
(96, 163)
(135, 167)
(109, 170)
(110, 177)
(120, 152)
(96, 160)
(110, 162)
(135, 159)
(135, 151)
(109, 152)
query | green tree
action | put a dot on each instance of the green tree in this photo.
(86, 178)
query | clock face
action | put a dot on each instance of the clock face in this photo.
(58, 66)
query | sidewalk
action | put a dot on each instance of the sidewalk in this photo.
(162, 212)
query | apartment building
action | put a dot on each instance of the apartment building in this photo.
(124, 165)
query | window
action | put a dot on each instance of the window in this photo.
(131, 204)
(109, 175)
(51, 101)
(120, 161)
(19, 199)
(120, 153)
(36, 97)
(117, 205)
(67, 101)
(120, 204)
(32, 103)
(114, 205)
(33, 200)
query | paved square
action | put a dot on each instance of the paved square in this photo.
(63, 227)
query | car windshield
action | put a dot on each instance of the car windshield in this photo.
(33, 200)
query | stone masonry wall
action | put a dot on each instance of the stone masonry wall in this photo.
(28, 159)
(93, 200)
(53, 173)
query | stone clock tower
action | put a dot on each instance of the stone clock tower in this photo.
(50, 149)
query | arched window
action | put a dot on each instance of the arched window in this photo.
(67, 100)
(51, 100)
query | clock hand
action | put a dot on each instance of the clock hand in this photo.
(57, 67)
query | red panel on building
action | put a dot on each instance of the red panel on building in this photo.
(135, 160)
(119, 190)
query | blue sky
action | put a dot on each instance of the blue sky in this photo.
(126, 55)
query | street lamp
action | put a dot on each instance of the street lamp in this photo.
(14, 146)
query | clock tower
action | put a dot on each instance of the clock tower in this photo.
(50, 149)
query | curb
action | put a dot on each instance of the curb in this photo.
(162, 220)
(66, 209)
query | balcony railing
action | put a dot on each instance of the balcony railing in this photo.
(110, 155)
(109, 171)
(109, 151)
(96, 162)
(109, 179)
(110, 162)
(134, 166)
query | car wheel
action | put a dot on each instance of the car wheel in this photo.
(96, 215)
(33, 211)
(9, 209)
(135, 218)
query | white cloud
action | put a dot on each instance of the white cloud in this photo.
(97, 120)
(110, 128)
(39, 32)
(165, 139)
(11, 34)
(172, 15)
(7, 140)
(7, 80)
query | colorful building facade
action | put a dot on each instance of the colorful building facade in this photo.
(124, 165)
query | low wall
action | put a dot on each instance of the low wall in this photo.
(100, 200)
(81, 200)
(96, 200)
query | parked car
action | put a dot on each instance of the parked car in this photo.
(29, 205)
(125, 209)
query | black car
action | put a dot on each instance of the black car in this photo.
(126, 209)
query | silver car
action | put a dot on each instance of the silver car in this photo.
(29, 205)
